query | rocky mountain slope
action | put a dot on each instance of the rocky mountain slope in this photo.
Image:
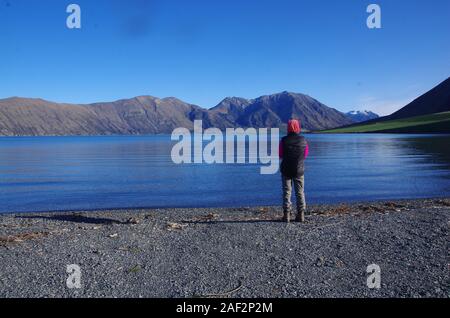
(150, 115)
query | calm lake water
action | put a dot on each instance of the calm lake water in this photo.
(66, 173)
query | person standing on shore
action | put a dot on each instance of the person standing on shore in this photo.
(293, 151)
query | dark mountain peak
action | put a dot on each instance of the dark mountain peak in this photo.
(146, 101)
(279, 94)
(276, 109)
(287, 96)
(171, 99)
(289, 103)
(436, 100)
(234, 99)
(237, 101)
(291, 94)
(231, 105)
(143, 100)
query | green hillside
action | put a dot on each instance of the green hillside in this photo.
(433, 123)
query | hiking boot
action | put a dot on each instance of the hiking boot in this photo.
(286, 217)
(300, 217)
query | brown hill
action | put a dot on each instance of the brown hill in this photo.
(151, 115)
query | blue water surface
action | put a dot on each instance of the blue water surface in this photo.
(78, 173)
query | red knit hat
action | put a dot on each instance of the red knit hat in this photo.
(293, 126)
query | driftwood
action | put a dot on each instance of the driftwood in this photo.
(22, 237)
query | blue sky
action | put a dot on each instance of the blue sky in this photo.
(202, 51)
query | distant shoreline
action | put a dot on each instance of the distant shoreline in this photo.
(437, 123)
(281, 134)
(230, 252)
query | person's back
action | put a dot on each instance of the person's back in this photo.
(293, 152)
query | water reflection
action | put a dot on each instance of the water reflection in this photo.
(434, 150)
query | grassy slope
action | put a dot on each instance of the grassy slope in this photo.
(433, 123)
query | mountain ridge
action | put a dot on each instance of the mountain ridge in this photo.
(436, 100)
(428, 113)
(147, 114)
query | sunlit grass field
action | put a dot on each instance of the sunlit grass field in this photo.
(433, 123)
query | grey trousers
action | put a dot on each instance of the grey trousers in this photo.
(299, 187)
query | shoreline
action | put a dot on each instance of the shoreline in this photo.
(221, 207)
(311, 132)
(230, 252)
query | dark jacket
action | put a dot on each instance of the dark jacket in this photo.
(293, 151)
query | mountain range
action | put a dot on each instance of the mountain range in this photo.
(151, 115)
(436, 100)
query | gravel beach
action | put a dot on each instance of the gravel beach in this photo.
(230, 252)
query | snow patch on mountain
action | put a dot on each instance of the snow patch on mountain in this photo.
(361, 115)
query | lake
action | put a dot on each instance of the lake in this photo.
(78, 173)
